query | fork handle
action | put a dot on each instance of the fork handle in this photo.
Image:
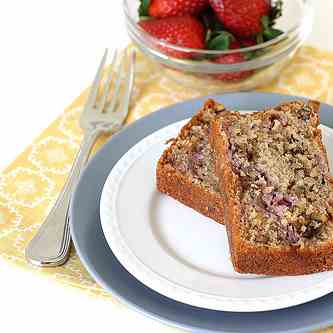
(51, 245)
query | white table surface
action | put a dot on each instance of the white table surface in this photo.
(49, 53)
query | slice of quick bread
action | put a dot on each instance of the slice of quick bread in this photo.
(277, 190)
(186, 169)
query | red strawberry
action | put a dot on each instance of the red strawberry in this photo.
(233, 58)
(185, 31)
(242, 17)
(234, 44)
(247, 42)
(168, 8)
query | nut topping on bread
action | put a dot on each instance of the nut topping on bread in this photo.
(274, 177)
(186, 170)
(283, 177)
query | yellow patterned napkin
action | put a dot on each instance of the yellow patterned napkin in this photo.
(30, 185)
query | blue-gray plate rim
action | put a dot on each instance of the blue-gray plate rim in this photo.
(104, 267)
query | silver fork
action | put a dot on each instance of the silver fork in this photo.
(51, 245)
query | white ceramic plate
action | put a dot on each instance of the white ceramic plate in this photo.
(180, 253)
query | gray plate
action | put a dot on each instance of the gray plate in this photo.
(104, 267)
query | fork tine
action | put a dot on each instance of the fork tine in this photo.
(107, 85)
(113, 103)
(128, 87)
(91, 100)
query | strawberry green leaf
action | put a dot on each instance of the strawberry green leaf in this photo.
(271, 33)
(144, 8)
(216, 25)
(249, 55)
(268, 32)
(220, 42)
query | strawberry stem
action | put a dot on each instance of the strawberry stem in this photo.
(266, 22)
(260, 38)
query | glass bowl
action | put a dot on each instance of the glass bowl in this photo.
(201, 73)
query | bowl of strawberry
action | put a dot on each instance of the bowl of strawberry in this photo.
(219, 45)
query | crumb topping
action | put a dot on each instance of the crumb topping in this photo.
(285, 194)
(191, 153)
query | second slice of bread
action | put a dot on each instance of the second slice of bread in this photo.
(277, 190)
(186, 170)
